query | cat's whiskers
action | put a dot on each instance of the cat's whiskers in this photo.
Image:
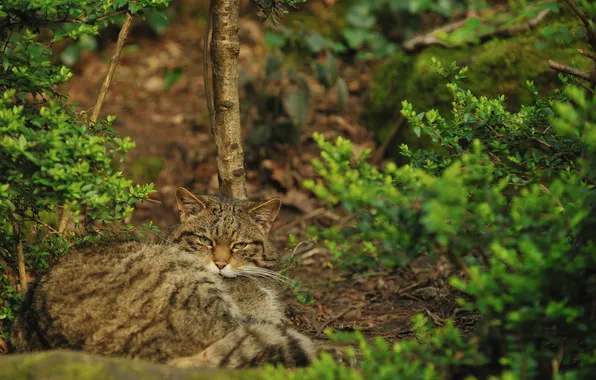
(264, 274)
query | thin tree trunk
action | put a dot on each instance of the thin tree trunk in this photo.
(20, 257)
(225, 48)
(64, 215)
(111, 69)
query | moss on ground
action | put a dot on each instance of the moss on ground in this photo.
(67, 365)
(498, 66)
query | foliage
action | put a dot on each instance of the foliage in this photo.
(274, 9)
(485, 153)
(280, 113)
(526, 246)
(154, 18)
(521, 145)
(435, 354)
(509, 199)
(283, 98)
(497, 67)
(52, 162)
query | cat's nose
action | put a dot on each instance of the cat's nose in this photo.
(220, 264)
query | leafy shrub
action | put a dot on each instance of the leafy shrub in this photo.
(458, 187)
(509, 199)
(526, 247)
(283, 98)
(52, 163)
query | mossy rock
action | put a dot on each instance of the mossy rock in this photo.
(68, 365)
(500, 66)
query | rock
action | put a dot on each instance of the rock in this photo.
(67, 365)
(499, 66)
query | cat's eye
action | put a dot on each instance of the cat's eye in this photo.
(239, 246)
(205, 241)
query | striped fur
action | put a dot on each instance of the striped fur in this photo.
(170, 303)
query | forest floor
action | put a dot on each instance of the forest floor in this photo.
(170, 127)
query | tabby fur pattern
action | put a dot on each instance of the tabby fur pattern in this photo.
(208, 298)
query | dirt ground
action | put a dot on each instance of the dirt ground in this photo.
(172, 125)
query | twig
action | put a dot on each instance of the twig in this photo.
(438, 320)
(429, 39)
(65, 214)
(20, 257)
(111, 69)
(304, 218)
(294, 252)
(546, 191)
(587, 54)
(299, 249)
(208, 90)
(52, 230)
(378, 155)
(516, 29)
(331, 320)
(411, 297)
(582, 84)
(558, 359)
(152, 201)
(456, 260)
(63, 219)
(582, 16)
(401, 291)
(571, 71)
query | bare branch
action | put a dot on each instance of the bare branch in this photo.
(420, 42)
(64, 215)
(208, 91)
(225, 49)
(587, 54)
(378, 155)
(584, 18)
(582, 84)
(111, 69)
(516, 29)
(571, 71)
(20, 257)
(430, 38)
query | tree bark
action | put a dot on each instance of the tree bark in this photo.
(225, 49)
(69, 365)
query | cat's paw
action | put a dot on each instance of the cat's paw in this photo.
(196, 361)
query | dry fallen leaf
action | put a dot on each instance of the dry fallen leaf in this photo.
(299, 199)
(438, 320)
(3, 347)
(280, 174)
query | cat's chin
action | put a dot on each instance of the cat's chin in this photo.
(225, 272)
(228, 275)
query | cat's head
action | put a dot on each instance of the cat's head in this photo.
(229, 235)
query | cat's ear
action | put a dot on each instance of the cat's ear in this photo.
(188, 203)
(265, 213)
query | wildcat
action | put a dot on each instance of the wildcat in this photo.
(206, 299)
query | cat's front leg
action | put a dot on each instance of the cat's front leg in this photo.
(251, 346)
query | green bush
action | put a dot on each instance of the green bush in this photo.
(526, 246)
(50, 158)
(508, 198)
